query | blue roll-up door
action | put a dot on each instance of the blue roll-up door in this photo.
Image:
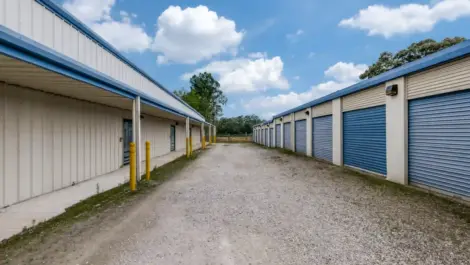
(364, 139)
(271, 137)
(439, 142)
(278, 135)
(287, 136)
(301, 136)
(322, 139)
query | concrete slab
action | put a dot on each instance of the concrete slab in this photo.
(24, 214)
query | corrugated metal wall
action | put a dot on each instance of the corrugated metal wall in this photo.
(261, 136)
(301, 136)
(439, 142)
(364, 139)
(322, 137)
(271, 137)
(266, 137)
(365, 99)
(322, 109)
(449, 77)
(38, 23)
(157, 132)
(49, 142)
(196, 136)
(278, 135)
(287, 143)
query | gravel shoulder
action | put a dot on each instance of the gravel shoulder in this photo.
(244, 204)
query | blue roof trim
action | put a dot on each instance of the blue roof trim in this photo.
(17, 46)
(64, 14)
(449, 54)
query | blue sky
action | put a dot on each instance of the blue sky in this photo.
(269, 56)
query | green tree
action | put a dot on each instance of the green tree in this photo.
(415, 51)
(204, 96)
(237, 125)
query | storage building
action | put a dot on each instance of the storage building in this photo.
(70, 104)
(410, 125)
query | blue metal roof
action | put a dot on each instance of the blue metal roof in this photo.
(17, 46)
(65, 15)
(446, 55)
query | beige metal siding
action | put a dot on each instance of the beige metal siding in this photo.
(287, 118)
(446, 78)
(322, 109)
(36, 22)
(300, 115)
(196, 136)
(50, 142)
(277, 121)
(365, 99)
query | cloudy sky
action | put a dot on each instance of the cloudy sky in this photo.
(268, 55)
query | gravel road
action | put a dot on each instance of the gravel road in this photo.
(243, 204)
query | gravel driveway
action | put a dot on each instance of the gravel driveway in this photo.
(243, 204)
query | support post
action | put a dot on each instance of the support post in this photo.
(309, 132)
(338, 131)
(136, 125)
(187, 137)
(147, 160)
(292, 132)
(132, 178)
(396, 109)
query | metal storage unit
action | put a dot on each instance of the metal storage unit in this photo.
(271, 137)
(301, 136)
(439, 142)
(261, 136)
(322, 141)
(278, 135)
(364, 139)
(287, 136)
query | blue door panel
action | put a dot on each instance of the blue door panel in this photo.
(364, 139)
(278, 135)
(439, 142)
(301, 136)
(322, 139)
(287, 136)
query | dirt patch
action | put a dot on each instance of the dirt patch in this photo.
(52, 241)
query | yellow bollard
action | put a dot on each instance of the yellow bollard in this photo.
(203, 142)
(215, 138)
(132, 181)
(147, 160)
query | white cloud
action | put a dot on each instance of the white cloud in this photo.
(257, 55)
(90, 11)
(343, 75)
(123, 35)
(246, 75)
(409, 18)
(194, 34)
(345, 72)
(294, 37)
